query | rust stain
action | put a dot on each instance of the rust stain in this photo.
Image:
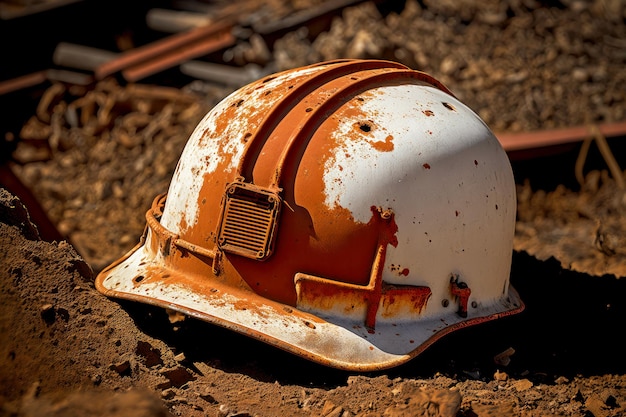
(385, 222)
(327, 294)
(386, 146)
(247, 305)
(428, 112)
(426, 166)
(183, 222)
(398, 270)
(401, 300)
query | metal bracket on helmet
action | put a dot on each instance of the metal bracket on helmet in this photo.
(165, 238)
(248, 222)
(327, 296)
(462, 291)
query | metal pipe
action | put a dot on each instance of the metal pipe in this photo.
(176, 56)
(543, 138)
(223, 74)
(174, 21)
(153, 51)
(81, 57)
(24, 81)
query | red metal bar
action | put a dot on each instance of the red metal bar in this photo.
(533, 140)
(24, 81)
(159, 48)
(181, 54)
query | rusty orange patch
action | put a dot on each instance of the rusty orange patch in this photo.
(386, 146)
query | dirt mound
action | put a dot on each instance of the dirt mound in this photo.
(70, 351)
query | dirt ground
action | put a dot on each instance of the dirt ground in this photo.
(95, 156)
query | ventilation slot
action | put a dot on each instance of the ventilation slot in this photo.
(248, 221)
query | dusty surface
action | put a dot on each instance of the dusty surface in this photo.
(95, 158)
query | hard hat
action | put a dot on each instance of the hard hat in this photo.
(351, 212)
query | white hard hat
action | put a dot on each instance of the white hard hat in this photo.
(350, 212)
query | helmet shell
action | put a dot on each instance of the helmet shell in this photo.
(351, 212)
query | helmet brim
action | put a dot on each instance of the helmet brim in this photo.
(338, 343)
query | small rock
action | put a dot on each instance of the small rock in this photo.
(500, 376)
(493, 410)
(223, 411)
(330, 409)
(561, 380)
(208, 398)
(504, 358)
(418, 402)
(449, 66)
(96, 379)
(122, 368)
(522, 385)
(177, 377)
(580, 75)
(151, 355)
(47, 313)
(596, 406)
(168, 394)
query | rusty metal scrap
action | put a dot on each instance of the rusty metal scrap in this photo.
(303, 16)
(551, 137)
(214, 43)
(166, 52)
(24, 81)
(174, 21)
(39, 77)
(206, 36)
(100, 108)
(224, 74)
(605, 151)
(94, 138)
(81, 57)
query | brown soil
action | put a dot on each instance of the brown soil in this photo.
(66, 350)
